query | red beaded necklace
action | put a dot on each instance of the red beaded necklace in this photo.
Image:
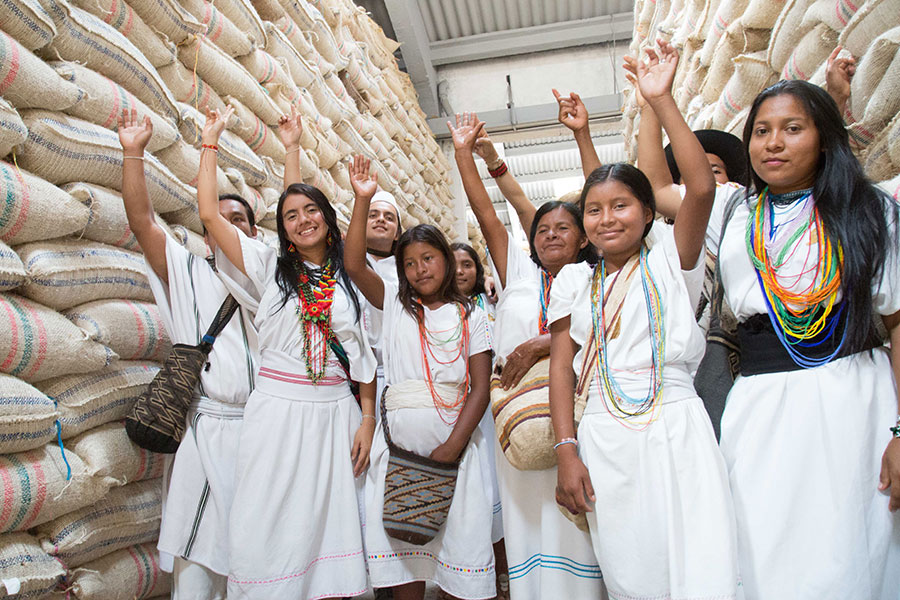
(460, 334)
(314, 313)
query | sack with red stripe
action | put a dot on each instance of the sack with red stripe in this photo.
(129, 574)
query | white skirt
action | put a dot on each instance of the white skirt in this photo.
(296, 521)
(489, 470)
(548, 556)
(804, 452)
(663, 522)
(459, 559)
(201, 487)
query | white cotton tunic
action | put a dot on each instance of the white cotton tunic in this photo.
(548, 556)
(459, 559)
(387, 270)
(297, 520)
(201, 483)
(804, 450)
(663, 522)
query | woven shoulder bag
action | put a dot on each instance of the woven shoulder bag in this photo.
(157, 419)
(417, 492)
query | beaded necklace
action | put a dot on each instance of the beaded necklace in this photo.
(546, 282)
(818, 312)
(428, 339)
(625, 406)
(314, 313)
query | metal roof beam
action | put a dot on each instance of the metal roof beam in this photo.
(554, 36)
(409, 25)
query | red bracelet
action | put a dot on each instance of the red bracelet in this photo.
(210, 147)
(495, 173)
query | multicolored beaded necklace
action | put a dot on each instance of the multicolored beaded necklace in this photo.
(314, 313)
(798, 316)
(428, 340)
(625, 406)
(546, 282)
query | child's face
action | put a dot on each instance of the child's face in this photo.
(615, 221)
(466, 272)
(424, 267)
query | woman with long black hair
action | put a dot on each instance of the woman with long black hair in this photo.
(810, 268)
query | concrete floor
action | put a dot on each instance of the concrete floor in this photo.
(431, 593)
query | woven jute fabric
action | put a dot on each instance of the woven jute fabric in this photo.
(37, 487)
(187, 88)
(40, 343)
(245, 15)
(752, 73)
(135, 571)
(267, 69)
(258, 136)
(111, 457)
(120, 15)
(811, 51)
(183, 160)
(62, 149)
(279, 46)
(65, 273)
(875, 89)
(133, 329)
(27, 22)
(12, 271)
(168, 19)
(104, 100)
(126, 516)
(28, 82)
(219, 28)
(89, 400)
(12, 130)
(27, 416)
(107, 222)
(24, 562)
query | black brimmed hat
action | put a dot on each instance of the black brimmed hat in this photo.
(726, 146)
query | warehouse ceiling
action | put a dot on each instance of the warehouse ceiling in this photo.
(442, 32)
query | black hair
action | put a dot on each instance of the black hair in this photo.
(588, 253)
(629, 176)
(448, 291)
(290, 266)
(854, 212)
(250, 218)
(479, 268)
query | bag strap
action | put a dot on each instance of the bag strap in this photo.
(223, 316)
(719, 290)
(384, 419)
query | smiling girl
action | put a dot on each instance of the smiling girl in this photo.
(296, 530)
(644, 464)
(437, 368)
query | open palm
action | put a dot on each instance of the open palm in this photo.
(363, 184)
(134, 134)
(290, 129)
(656, 75)
(466, 131)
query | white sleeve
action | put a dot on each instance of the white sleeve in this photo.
(479, 340)
(886, 290)
(563, 291)
(518, 264)
(724, 191)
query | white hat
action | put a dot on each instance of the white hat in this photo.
(383, 196)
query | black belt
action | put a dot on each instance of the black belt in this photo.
(763, 352)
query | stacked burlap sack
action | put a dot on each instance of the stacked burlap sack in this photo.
(81, 337)
(732, 49)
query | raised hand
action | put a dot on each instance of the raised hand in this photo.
(134, 134)
(363, 184)
(484, 148)
(655, 77)
(215, 125)
(572, 112)
(630, 66)
(838, 73)
(290, 129)
(466, 131)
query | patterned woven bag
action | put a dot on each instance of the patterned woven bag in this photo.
(157, 419)
(417, 492)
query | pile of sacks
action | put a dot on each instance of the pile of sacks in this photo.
(81, 337)
(733, 49)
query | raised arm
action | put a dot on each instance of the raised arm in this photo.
(655, 81)
(290, 128)
(134, 136)
(364, 276)
(651, 156)
(574, 115)
(838, 73)
(508, 185)
(464, 135)
(224, 233)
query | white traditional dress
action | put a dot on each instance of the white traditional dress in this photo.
(804, 450)
(201, 484)
(548, 556)
(663, 522)
(297, 519)
(459, 559)
(387, 270)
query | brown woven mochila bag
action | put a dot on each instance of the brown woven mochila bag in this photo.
(158, 417)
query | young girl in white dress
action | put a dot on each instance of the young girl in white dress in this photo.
(437, 368)
(644, 465)
(296, 528)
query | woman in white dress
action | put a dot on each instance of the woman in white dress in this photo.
(437, 371)
(810, 431)
(548, 556)
(296, 522)
(644, 466)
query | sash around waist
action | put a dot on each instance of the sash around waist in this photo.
(678, 385)
(414, 393)
(287, 378)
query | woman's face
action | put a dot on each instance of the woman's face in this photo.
(558, 239)
(466, 272)
(424, 267)
(614, 220)
(304, 223)
(784, 145)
